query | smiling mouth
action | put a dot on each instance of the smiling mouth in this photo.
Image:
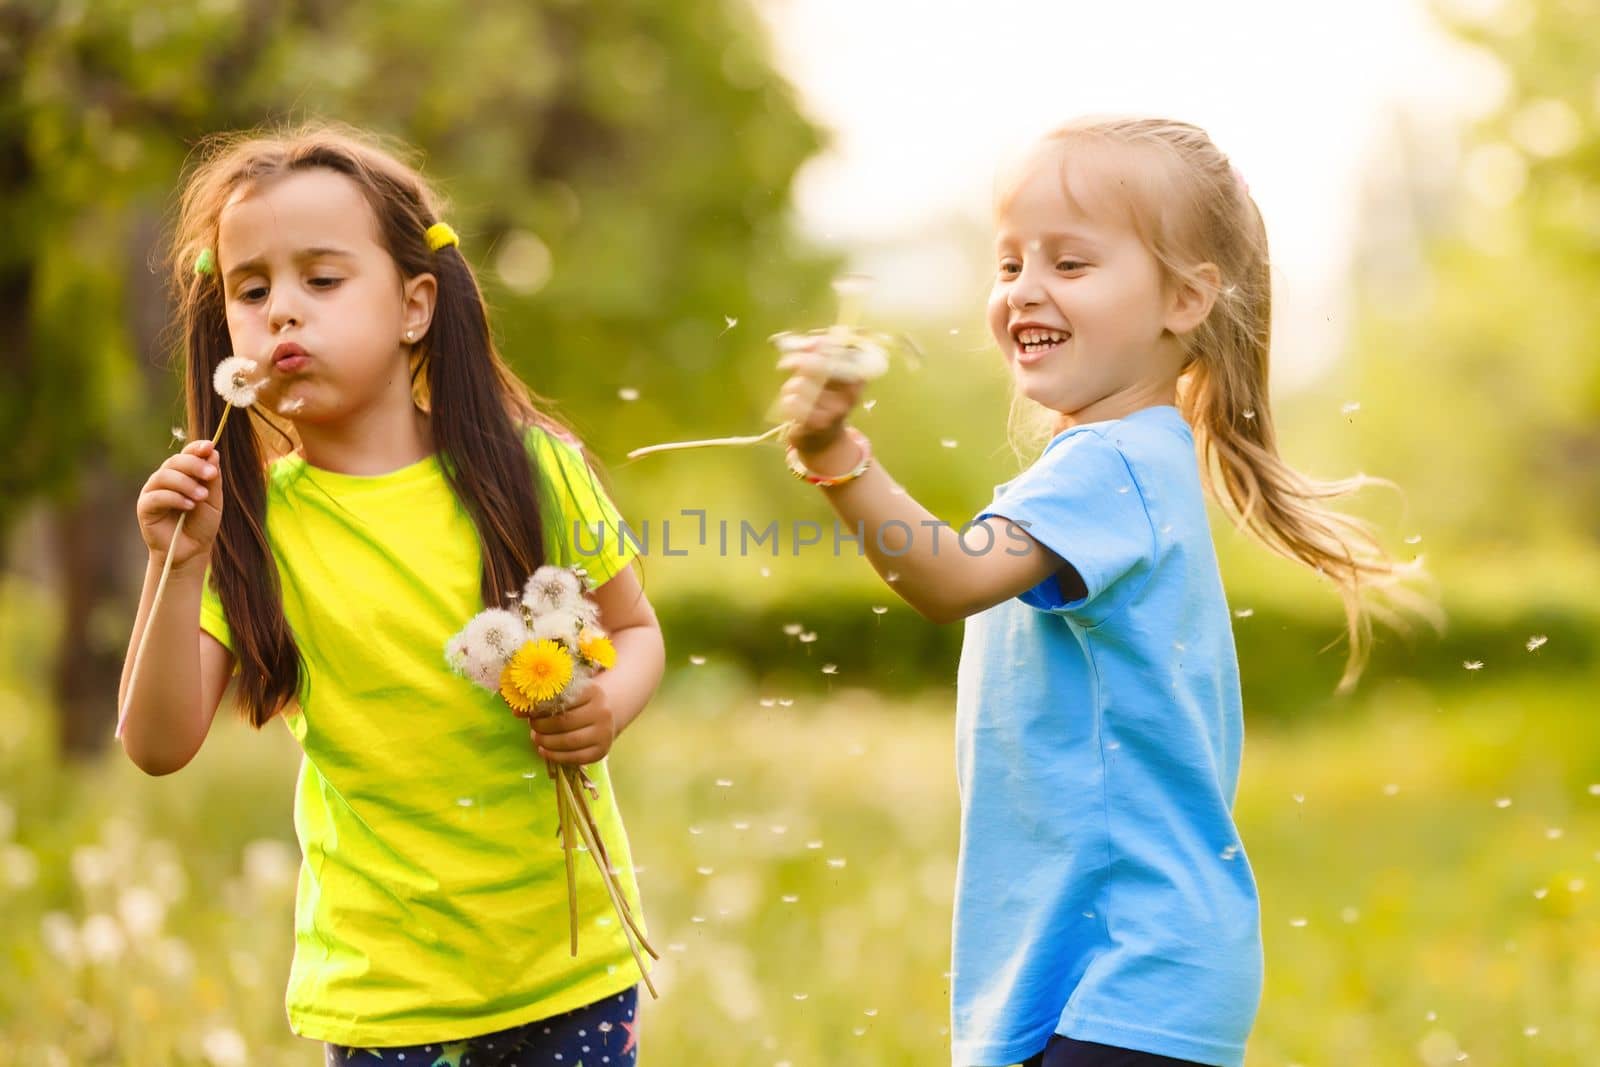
(1033, 340)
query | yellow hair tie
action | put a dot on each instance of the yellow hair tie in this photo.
(440, 235)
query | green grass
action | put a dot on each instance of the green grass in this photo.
(797, 871)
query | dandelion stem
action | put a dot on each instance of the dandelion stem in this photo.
(564, 813)
(616, 900)
(674, 446)
(587, 819)
(161, 587)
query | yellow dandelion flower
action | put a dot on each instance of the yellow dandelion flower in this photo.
(597, 648)
(539, 671)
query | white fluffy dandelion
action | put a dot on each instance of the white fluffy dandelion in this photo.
(236, 381)
(480, 651)
(562, 626)
(552, 589)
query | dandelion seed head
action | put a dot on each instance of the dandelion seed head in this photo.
(553, 589)
(236, 382)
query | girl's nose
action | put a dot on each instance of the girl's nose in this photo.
(282, 315)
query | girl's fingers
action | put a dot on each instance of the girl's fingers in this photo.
(196, 467)
(178, 482)
(580, 758)
(567, 740)
(162, 500)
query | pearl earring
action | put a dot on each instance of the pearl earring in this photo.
(411, 335)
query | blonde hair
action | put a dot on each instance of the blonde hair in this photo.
(1190, 208)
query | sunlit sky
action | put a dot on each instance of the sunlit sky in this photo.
(925, 99)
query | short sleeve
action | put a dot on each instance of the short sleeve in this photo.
(586, 528)
(1081, 501)
(212, 618)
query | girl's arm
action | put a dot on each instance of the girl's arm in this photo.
(943, 574)
(184, 671)
(585, 732)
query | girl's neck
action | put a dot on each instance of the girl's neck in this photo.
(1121, 404)
(374, 444)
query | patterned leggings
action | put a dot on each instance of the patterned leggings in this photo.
(602, 1034)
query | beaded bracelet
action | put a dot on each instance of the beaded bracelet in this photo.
(828, 481)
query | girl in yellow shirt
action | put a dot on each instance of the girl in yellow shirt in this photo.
(392, 478)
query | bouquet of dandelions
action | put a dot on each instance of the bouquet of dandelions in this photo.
(537, 658)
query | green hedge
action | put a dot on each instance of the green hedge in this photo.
(1287, 666)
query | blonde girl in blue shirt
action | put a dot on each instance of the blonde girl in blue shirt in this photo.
(1105, 911)
(392, 479)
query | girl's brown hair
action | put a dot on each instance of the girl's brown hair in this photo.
(1191, 207)
(479, 409)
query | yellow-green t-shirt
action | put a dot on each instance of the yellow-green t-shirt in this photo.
(432, 897)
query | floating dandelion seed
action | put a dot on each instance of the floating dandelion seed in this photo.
(179, 434)
(808, 637)
(1473, 664)
(789, 898)
(1349, 914)
(1503, 802)
(837, 863)
(741, 825)
(1594, 789)
(1249, 413)
(792, 629)
(768, 702)
(1244, 613)
(766, 572)
(703, 870)
(1298, 922)
(291, 405)
(1391, 789)
(830, 668)
(731, 322)
(879, 609)
(813, 844)
(627, 393)
(1536, 642)
(1351, 408)
(948, 442)
(869, 404)
(698, 661)
(724, 783)
(1554, 833)
(1414, 539)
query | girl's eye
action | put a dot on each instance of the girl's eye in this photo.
(1010, 266)
(325, 283)
(1071, 265)
(252, 294)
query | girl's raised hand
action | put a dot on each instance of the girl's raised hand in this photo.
(815, 401)
(189, 482)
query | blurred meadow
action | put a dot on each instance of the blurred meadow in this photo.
(625, 178)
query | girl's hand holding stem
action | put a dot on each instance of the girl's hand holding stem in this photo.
(188, 484)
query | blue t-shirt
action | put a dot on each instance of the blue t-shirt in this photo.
(1102, 890)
